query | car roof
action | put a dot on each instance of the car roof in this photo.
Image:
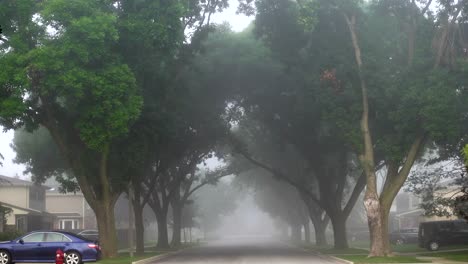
(447, 221)
(73, 235)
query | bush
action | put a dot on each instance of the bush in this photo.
(9, 235)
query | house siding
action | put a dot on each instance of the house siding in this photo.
(17, 195)
(57, 203)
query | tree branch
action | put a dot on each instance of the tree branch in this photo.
(282, 177)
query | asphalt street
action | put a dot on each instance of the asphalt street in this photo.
(245, 251)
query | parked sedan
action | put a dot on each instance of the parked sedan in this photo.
(90, 234)
(40, 246)
(404, 236)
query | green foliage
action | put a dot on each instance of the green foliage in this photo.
(10, 235)
(397, 259)
(5, 212)
(465, 153)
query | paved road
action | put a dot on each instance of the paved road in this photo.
(242, 251)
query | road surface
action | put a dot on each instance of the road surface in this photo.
(243, 251)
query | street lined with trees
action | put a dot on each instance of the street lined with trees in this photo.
(306, 106)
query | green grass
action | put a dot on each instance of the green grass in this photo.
(405, 248)
(397, 259)
(331, 251)
(455, 256)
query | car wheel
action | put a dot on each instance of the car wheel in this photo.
(433, 246)
(5, 257)
(72, 257)
(399, 241)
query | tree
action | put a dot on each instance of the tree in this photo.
(442, 186)
(352, 52)
(74, 86)
(435, 120)
(287, 207)
(214, 202)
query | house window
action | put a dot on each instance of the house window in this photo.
(21, 223)
(69, 224)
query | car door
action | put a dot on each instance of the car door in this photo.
(52, 242)
(460, 233)
(28, 247)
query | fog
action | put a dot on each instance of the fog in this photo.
(246, 221)
(165, 124)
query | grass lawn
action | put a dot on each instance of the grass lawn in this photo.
(331, 251)
(397, 259)
(406, 248)
(456, 256)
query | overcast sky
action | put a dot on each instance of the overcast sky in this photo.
(238, 23)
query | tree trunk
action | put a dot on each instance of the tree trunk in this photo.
(320, 224)
(339, 231)
(163, 239)
(374, 220)
(106, 225)
(296, 233)
(307, 231)
(320, 237)
(139, 228)
(177, 227)
(371, 198)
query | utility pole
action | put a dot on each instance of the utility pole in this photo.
(130, 220)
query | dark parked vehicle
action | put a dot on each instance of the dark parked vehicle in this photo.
(404, 236)
(90, 234)
(40, 246)
(433, 235)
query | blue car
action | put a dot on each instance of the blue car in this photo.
(40, 246)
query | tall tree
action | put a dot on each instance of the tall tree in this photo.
(74, 86)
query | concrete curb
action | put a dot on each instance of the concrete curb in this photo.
(328, 257)
(155, 258)
(162, 256)
(320, 255)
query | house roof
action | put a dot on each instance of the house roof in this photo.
(62, 215)
(9, 181)
(418, 211)
(29, 210)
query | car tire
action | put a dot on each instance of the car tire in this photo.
(72, 257)
(433, 246)
(399, 241)
(5, 257)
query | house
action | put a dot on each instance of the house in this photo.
(409, 214)
(71, 210)
(27, 203)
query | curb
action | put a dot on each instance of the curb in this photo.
(155, 258)
(322, 256)
(328, 257)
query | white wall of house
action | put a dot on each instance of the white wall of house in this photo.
(64, 203)
(15, 195)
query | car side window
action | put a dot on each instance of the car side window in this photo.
(56, 237)
(446, 227)
(36, 237)
(461, 227)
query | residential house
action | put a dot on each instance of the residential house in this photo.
(71, 210)
(27, 202)
(409, 214)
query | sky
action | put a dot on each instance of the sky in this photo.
(237, 22)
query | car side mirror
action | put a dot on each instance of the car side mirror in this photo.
(21, 241)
